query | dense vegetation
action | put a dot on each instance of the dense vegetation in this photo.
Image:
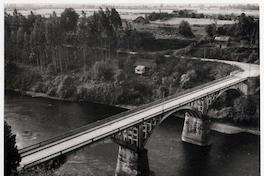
(242, 110)
(185, 13)
(12, 157)
(240, 54)
(114, 81)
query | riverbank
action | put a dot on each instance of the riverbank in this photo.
(226, 128)
(232, 129)
(125, 88)
(43, 95)
(38, 95)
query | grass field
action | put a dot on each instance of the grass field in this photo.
(192, 21)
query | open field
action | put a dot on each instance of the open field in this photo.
(193, 21)
(131, 14)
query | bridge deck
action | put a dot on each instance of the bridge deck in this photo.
(110, 126)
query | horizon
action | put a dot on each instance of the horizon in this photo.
(134, 3)
(74, 5)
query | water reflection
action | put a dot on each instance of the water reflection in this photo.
(197, 158)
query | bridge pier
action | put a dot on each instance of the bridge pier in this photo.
(253, 84)
(196, 130)
(131, 162)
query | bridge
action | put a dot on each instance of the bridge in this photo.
(132, 129)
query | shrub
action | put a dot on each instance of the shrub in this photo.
(51, 69)
(121, 62)
(12, 157)
(210, 29)
(185, 29)
(23, 78)
(66, 88)
(102, 70)
(160, 60)
(121, 76)
(128, 65)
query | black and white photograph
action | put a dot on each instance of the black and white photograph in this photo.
(131, 88)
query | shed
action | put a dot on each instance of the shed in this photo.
(222, 41)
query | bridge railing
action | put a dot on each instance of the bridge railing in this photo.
(114, 118)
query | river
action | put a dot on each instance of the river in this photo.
(37, 119)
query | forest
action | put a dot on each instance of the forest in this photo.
(60, 42)
(76, 57)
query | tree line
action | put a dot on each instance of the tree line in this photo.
(246, 28)
(185, 13)
(59, 42)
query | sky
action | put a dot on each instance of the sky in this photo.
(132, 1)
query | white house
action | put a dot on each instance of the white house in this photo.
(140, 69)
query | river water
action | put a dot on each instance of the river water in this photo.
(37, 119)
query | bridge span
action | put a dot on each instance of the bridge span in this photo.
(131, 129)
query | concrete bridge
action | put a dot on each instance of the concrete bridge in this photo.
(132, 129)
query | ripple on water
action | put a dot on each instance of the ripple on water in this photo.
(27, 133)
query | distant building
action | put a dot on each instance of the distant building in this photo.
(140, 20)
(140, 69)
(142, 66)
(222, 41)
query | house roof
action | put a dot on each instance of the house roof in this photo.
(222, 38)
(140, 67)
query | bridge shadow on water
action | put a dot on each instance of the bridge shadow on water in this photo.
(228, 155)
(172, 156)
(196, 159)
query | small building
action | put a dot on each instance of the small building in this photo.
(140, 20)
(140, 69)
(142, 66)
(222, 41)
(244, 43)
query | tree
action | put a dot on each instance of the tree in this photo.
(12, 157)
(69, 19)
(30, 21)
(115, 19)
(37, 42)
(185, 29)
(25, 52)
(187, 80)
(210, 29)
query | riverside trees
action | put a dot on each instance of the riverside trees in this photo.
(61, 41)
